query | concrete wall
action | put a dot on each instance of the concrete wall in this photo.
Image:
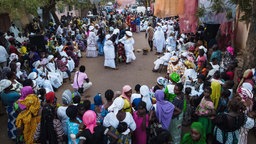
(66, 10)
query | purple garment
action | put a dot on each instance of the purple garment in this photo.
(25, 91)
(164, 109)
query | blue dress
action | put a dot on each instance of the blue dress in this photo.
(73, 128)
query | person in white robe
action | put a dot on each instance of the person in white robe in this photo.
(91, 43)
(53, 73)
(41, 82)
(128, 42)
(159, 40)
(170, 43)
(70, 64)
(109, 51)
(162, 60)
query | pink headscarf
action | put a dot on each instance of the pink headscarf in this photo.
(230, 50)
(126, 88)
(89, 120)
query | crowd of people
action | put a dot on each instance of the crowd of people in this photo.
(198, 89)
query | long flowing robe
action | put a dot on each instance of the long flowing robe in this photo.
(159, 40)
(91, 45)
(109, 51)
(128, 46)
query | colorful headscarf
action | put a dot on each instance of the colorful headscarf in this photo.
(49, 97)
(245, 93)
(230, 50)
(174, 59)
(164, 109)
(25, 91)
(89, 120)
(126, 88)
(189, 64)
(117, 105)
(67, 97)
(199, 128)
(29, 117)
(97, 100)
(175, 77)
(144, 91)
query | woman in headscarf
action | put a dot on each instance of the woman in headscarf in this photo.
(61, 111)
(247, 98)
(25, 91)
(70, 64)
(16, 86)
(169, 89)
(92, 133)
(145, 92)
(119, 121)
(247, 78)
(54, 74)
(141, 119)
(228, 58)
(41, 82)
(164, 110)
(126, 94)
(175, 65)
(8, 98)
(28, 119)
(109, 53)
(128, 42)
(49, 130)
(91, 43)
(159, 40)
(196, 135)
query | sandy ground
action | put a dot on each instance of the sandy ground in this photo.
(138, 72)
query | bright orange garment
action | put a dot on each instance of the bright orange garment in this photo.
(167, 8)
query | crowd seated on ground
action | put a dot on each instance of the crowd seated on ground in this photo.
(197, 89)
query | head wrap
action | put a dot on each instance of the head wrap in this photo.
(175, 77)
(129, 33)
(108, 36)
(32, 75)
(25, 91)
(13, 56)
(91, 28)
(174, 59)
(189, 64)
(97, 100)
(126, 88)
(117, 105)
(144, 91)
(67, 97)
(50, 57)
(161, 81)
(23, 50)
(247, 86)
(187, 138)
(203, 48)
(4, 83)
(230, 50)
(89, 120)
(49, 97)
(245, 93)
(164, 109)
(111, 29)
(36, 64)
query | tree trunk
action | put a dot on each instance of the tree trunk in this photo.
(46, 15)
(249, 53)
(56, 19)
